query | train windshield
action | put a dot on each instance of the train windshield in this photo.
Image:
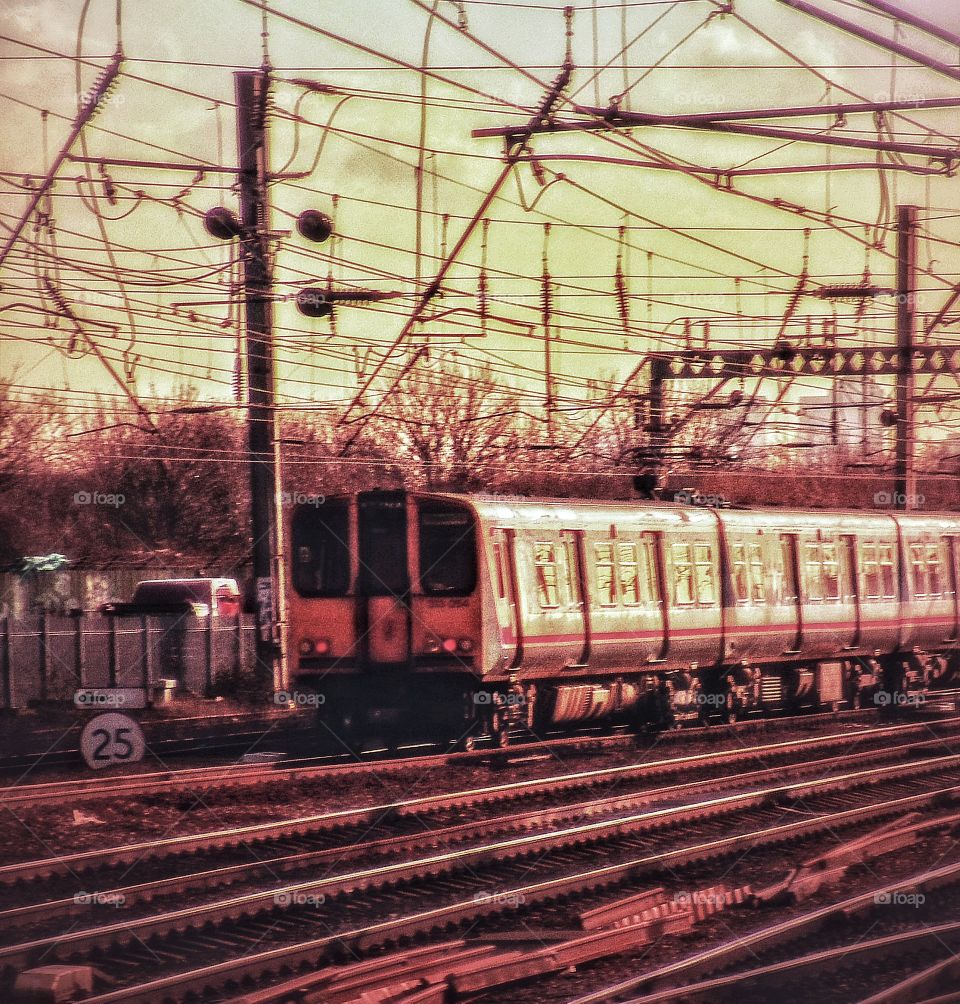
(448, 549)
(383, 544)
(320, 547)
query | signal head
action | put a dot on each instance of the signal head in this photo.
(221, 223)
(314, 225)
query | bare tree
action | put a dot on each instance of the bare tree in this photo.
(181, 490)
(451, 427)
(27, 428)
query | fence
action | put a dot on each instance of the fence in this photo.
(48, 657)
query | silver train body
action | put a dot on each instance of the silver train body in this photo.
(547, 612)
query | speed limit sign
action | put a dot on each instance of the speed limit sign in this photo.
(110, 739)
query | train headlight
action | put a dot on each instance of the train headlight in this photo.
(433, 645)
(450, 645)
(321, 646)
(465, 644)
(306, 646)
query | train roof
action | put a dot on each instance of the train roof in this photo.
(528, 511)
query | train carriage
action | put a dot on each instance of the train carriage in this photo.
(428, 613)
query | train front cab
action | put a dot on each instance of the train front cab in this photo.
(384, 617)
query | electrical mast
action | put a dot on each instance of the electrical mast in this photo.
(252, 91)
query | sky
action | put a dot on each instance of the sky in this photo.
(158, 296)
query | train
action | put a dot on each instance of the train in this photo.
(430, 613)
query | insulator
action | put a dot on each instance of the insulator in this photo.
(546, 299)
(623, 301)
(109, 191)
(238, 380)
(482, 295)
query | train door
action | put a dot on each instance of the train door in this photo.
(504, 550)
(656, 607)
(383, 578)
(953, 575)
(790, 600)
(576, 573)
(850, 589)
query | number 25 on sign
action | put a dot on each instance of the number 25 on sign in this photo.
(111, 739)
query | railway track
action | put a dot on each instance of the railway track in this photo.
(393, 831)
(911, 925)
(241, 775)
(271, 928)
(342, 829)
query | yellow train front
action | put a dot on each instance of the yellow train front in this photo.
(422, 615)
(384, 612)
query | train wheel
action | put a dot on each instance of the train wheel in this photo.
(498, 729)
(730, 714)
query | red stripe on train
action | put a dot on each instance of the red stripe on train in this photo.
(507, 636)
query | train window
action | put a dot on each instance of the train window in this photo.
(629, 574)
(748, 573)
(870, 570)
(934, 571)
(888, 575)
(831, 571)
(545, 563)
(498, 565)
(918, 568)
(382, 548)
(757, 588)
(741, 573)
(682, 575)
(448, 549)
(606, 584)
(703, 562)
(570, 570)
(320, 545)
(813, 571)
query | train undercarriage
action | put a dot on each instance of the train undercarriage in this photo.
(457, 709)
